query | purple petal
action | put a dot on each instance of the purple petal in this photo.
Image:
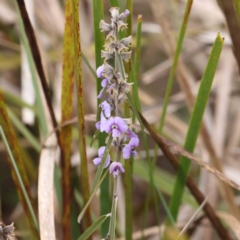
(101, 151)
(115, 132)
(108, 160)
(127, 151)
(115, 168)
(99, 96)
(97, 125)
(134, 142)
(100, 71)
(103, 122)
(126, 12)
(133, 152)
(122, 126)
(97, 161)
(106, 109)
(104, 82)
(108, 126)
(131, 134)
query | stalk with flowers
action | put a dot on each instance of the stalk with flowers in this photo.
(113, 93)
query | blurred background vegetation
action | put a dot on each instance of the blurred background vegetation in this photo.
(160, 27)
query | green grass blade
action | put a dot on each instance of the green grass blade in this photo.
(67, 114)
(175, 61)
(114, 3)
(98, 15)
(24, 131)
(137, 64)
(10, 135)
(93, 227)
(40, 110)
(13, 99)
(20, 180)
(80, 216)
(195, 124)
(80, 107)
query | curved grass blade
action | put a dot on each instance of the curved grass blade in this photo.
(40, 110)
(98, 15)
(195, 124)
(80, 107)
(175, 61)
(93, 227)
(14, 165)
(66, 113)
(24, 131)
(237, 9)
(13, 145)
(80, 216)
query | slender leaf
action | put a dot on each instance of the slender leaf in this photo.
(80, 103)
(114, 3)
(237, 8)
(24, 131)
(13, 145)
(98, 15)
(19, 178)
(93, 227)
(175, 61)
(195, 124)
(67, 114)
(40, 110)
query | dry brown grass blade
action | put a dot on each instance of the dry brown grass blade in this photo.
(209, 211)
(183, 80)
(45, 190)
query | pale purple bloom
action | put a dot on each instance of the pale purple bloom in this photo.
(116, 126)
(102, 123)
(106, 109)
(104, 82)
(100, 71)
(99, 96)
(98, 160)
(115, 168)
(129, 149)
(131, 134)
(126, 12)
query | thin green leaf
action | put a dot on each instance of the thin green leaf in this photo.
(13, 145)
(137, 64)
(24, 131)
(93, 227)
(175, 61)
(80, 216)
(67, 114)
(98, 15)
(19, 178)
(114, 3)
(195, 124)
(80, 103)
(40, 110)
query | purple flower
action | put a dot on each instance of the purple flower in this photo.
(131, 134)
(116, 126)
(98, 160)
(100, 71)
(126, 12)
(99, 96)
(106, 109)
(102, 123)
(129, 148)
(104, 82)
(115, 168)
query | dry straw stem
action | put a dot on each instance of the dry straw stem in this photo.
(66, 113)
(182, 78)
(45, 190)
(13, 144)
(221, 230)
